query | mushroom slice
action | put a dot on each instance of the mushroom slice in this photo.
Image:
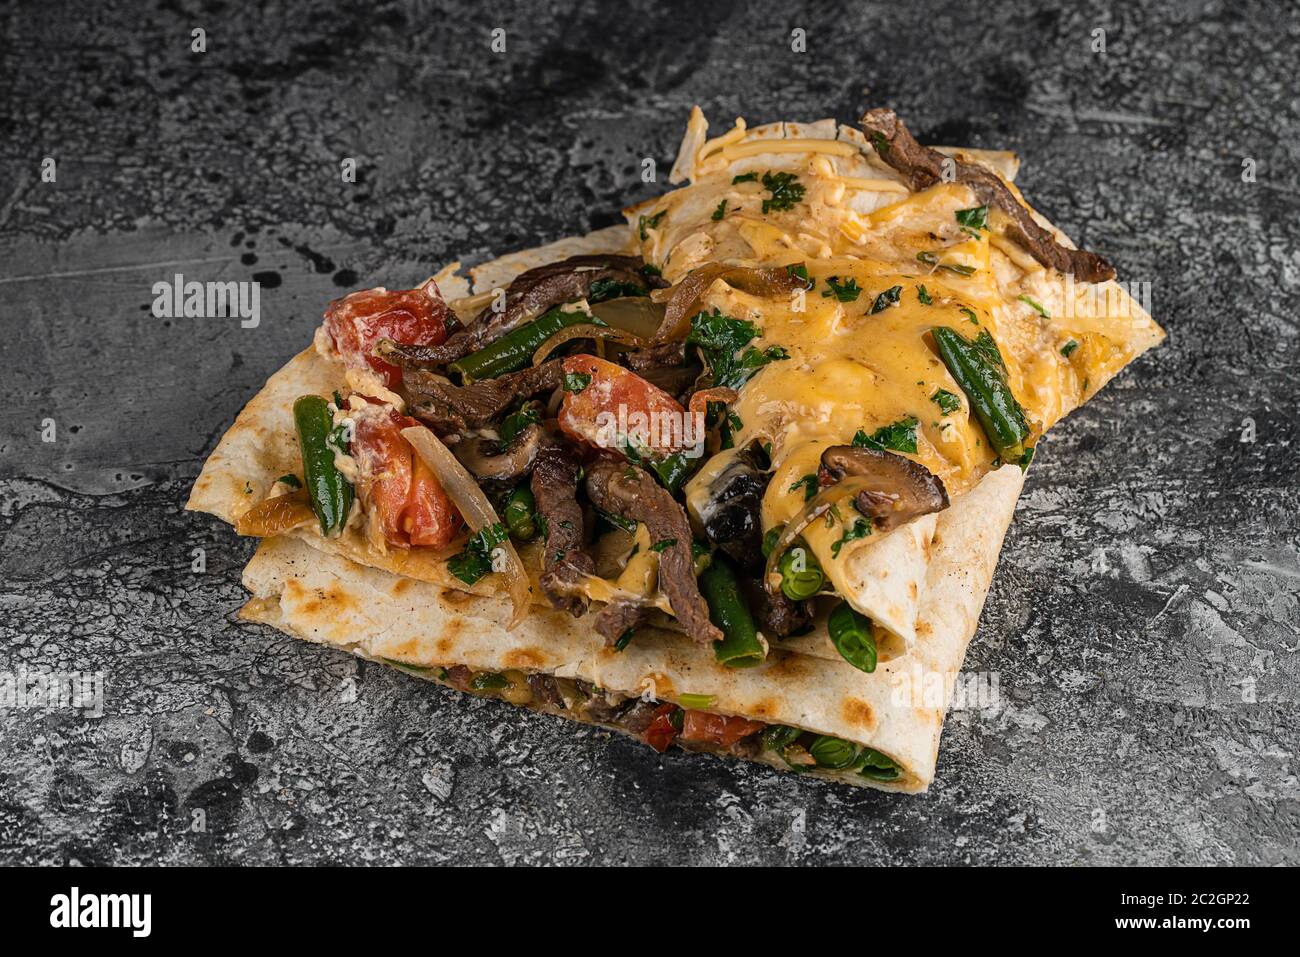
(898, 489)
(512, 463)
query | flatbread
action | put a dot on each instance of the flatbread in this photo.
(923, 584)
(884, 581)
(898, 710)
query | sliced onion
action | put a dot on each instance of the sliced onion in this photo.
(474, 507)
(276, 515)
(584, 330)
(815, 508)
(700, 400)
(682, 300)
(638, 315)
(767, 281)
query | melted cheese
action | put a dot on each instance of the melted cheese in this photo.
(850, 369)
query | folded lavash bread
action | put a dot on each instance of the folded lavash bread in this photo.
(884, 580)
(423, 628)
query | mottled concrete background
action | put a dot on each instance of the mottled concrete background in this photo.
(1143, 623)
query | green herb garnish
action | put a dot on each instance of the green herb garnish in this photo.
(947, 401)
(650, 222)
(1035, 305)
(973, 219)
(809, 485)
(604, 289)
(476, 560)
(899, 437)
(886, 299)
(722, 339)
(846, 291)
(576, 381)
(860, 528)
(786, 190)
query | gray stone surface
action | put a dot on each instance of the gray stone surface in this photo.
(1150, 582)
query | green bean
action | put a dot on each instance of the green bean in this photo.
(739, 647)
(329, 492)
(800, 583)
(777, 737)
(832, 753)
(488, 681)
(851, 635)
(872, 764)
(519, 512)
(515, 349)
(978, 368)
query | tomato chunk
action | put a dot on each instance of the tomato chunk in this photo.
(403, 493)
(409, 316)
(617, 408)
(660, 733)
(717, 728)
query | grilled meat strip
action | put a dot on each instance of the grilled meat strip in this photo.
(565, 561)
(448, 408)
(529, 295)
(628, 491)
(923, 167)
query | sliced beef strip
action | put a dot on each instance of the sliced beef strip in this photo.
(529, 295)
(637, 718)
(545, 689)
(618, 616)
(628, 491)
(923, 167)
(654, 357)
(777, 615)
(565, 561)
(448, 408)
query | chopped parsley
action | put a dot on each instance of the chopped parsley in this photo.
(744, 178)
(720, 211)
(1068, 348)
(846, 291)
(576, 381)
(650, 222)
(786, 190)
(886, 299)
(800, 271)
(290, 480)
(624, 639)
(722, 338)
(931, 259)
(860, 528)
(974, 219)
(946, 401)
(516, 422)
(650, 269)
(969, 313)
(809, 485)
(663, 544)
(1035, 305)
(476, 560)
(923, 294)
(603, 289)
(899, 437)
